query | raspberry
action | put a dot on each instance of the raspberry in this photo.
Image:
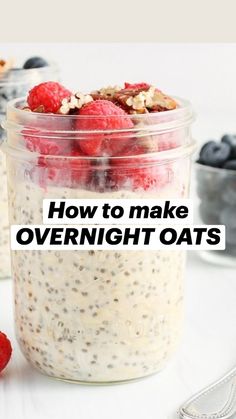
(102, 115)
(139, 173)
(47, 96)
(137, 86)
(5, 351)
(65, 171)
(49, 147)
(168, 141)
(39, 140)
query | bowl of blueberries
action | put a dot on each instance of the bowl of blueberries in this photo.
(216, 191)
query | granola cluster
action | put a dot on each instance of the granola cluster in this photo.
(134, 99)
(74, 102)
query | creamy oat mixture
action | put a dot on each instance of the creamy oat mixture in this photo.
(5, 270)
(95, 316)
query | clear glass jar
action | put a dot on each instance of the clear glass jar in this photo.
(97, 316)
(216, 191)
(13, 84)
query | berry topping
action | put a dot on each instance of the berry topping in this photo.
(35, 62)
(137, 173)
(47, 97)
(231, 141)
(5, 351)
(102, 115)
(214, 154)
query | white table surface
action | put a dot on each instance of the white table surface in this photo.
(208, 350)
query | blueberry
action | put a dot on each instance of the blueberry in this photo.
(230, 164)
(215, 154)
(35, 62)
(200, 160)
(231, 141)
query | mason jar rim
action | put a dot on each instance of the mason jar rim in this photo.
(18, 76)
(162, 121)
(47, 126)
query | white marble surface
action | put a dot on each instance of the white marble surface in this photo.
(208, 350)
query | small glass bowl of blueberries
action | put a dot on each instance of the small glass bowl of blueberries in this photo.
(216, 190)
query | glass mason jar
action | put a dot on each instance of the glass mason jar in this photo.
(101, 315)
(14, 83)
(216, 191)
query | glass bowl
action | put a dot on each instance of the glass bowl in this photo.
(216, 204)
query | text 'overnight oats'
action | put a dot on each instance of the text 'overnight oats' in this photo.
(100, 315)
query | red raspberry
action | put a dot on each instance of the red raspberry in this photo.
(5, 351)
(65, 171)
(38, 139)
(169, 140)
(45, 146)
(102, 115)
(139, 173)
(137, 86)
(47, 95)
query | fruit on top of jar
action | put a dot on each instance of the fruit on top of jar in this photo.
(47, 97)
(219, 154)
(99, 144)
(106, 127)
(5, 351)
(133, 98)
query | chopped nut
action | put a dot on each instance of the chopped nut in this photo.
(150, 99)
(107, 91)
(143, 101)
(39, 109)
(74, 102)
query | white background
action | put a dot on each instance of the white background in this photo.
(204, 74)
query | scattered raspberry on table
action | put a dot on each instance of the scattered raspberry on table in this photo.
(5, 351)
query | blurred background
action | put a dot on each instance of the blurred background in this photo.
(203, 73)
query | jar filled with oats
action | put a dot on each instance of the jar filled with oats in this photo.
(97, 316)
(15, 82)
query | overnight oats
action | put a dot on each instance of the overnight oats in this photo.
(101, 315)
(15, 82)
